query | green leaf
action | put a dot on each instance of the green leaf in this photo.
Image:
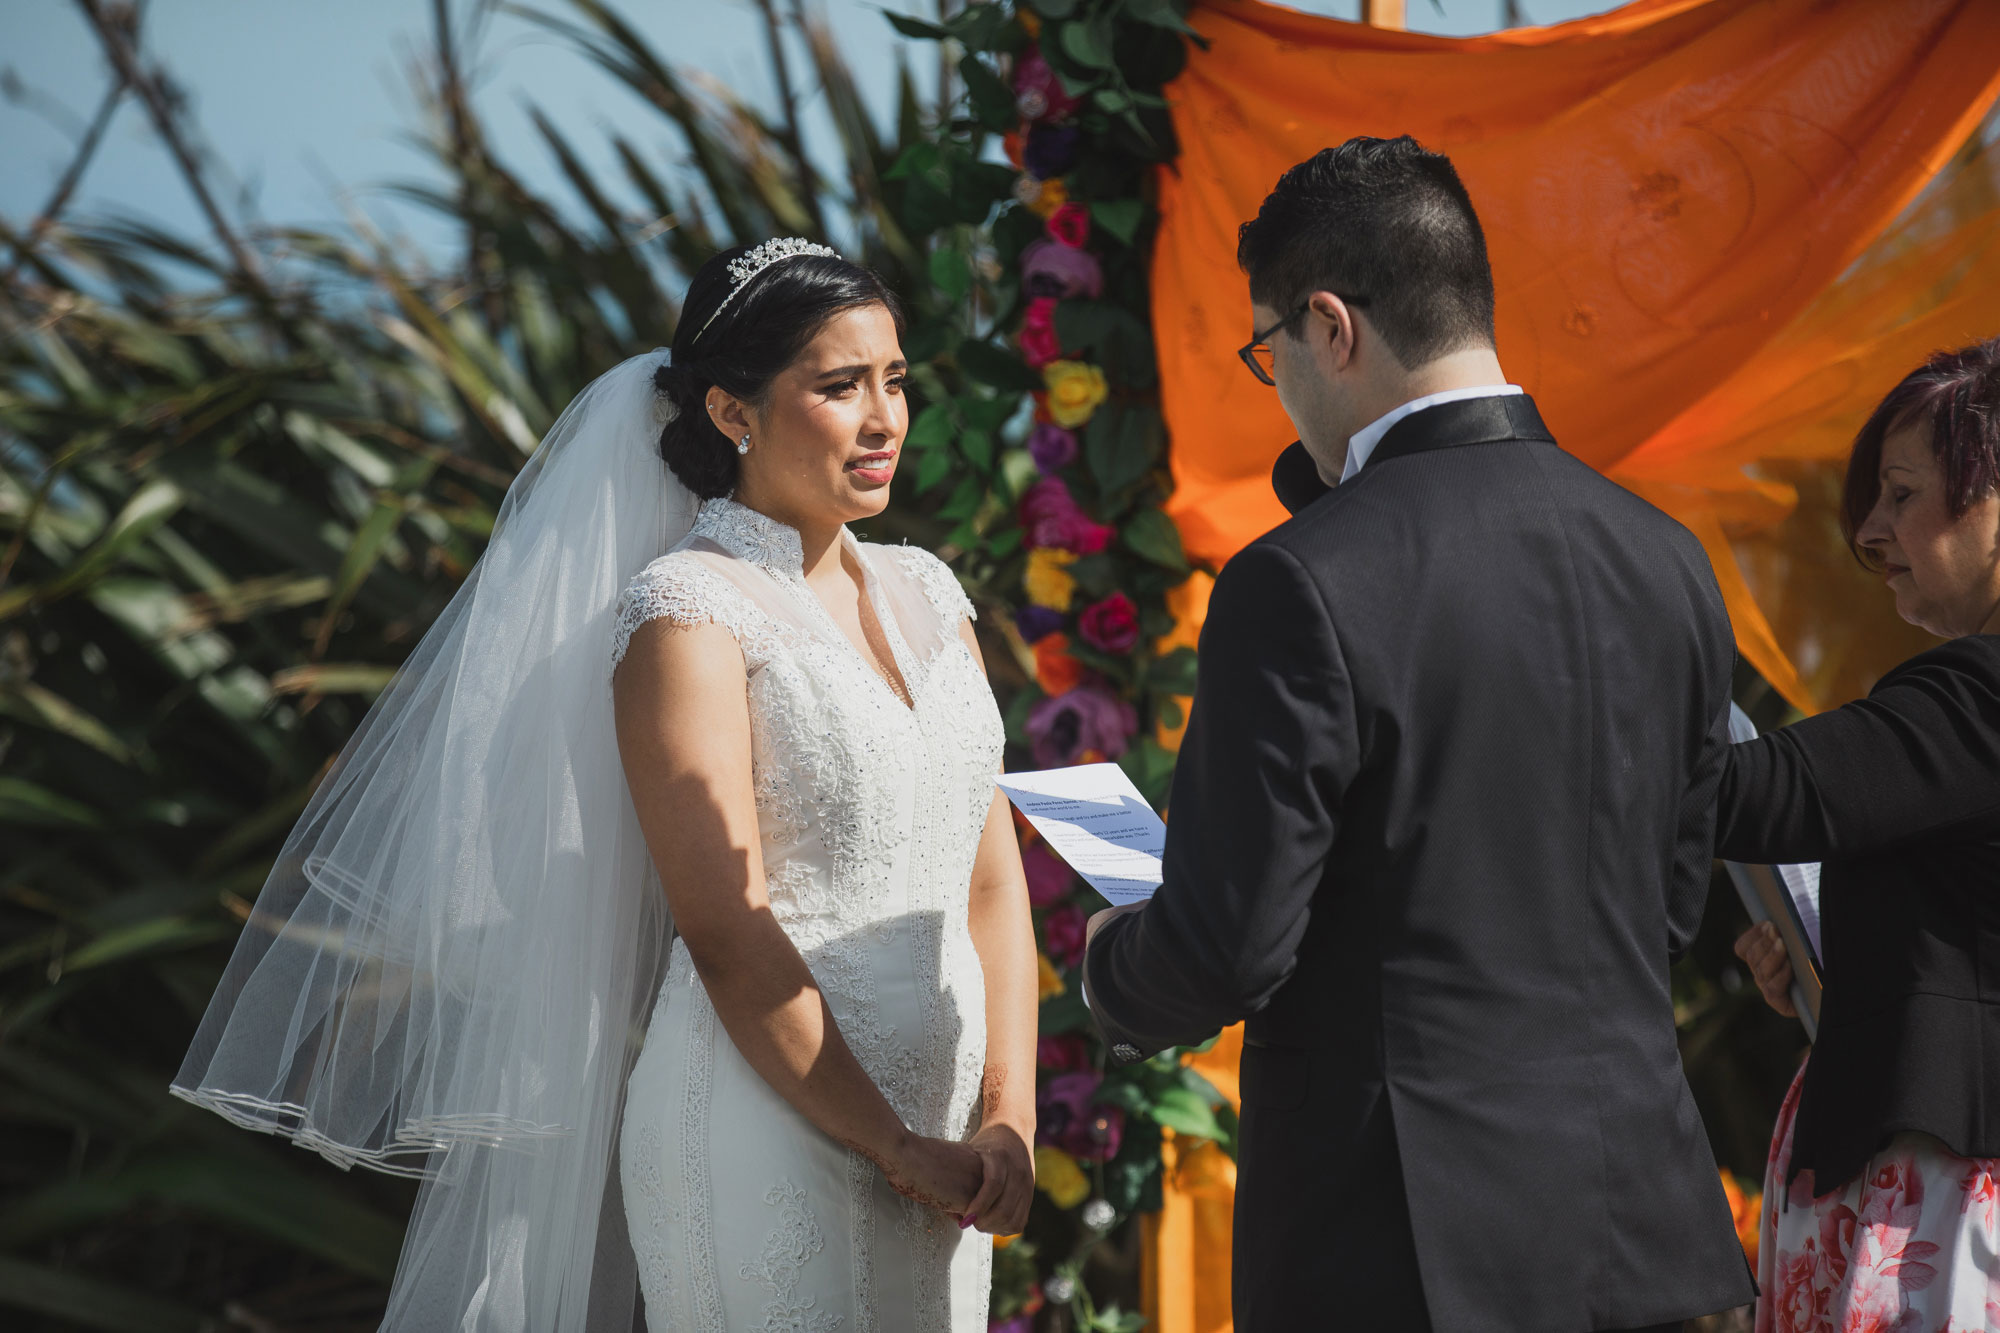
(977, 446)
(996, 366)
(1116, 447)
(1120, 217)
(1186, 1113)
(914, 27)
(1110, 99)
(933, 466)
(951, 274)
(1054, 9)
(1150, 765)
(1087, 43)
(1151, 535)
(932, 427)
(146, 938)
(90, 1301)
(991, 99)
(25, 802)
(1158, 13)
(1174, 673)
(29, 702)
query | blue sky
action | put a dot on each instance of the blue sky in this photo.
(306, 104)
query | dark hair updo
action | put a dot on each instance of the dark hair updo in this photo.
(757, 335)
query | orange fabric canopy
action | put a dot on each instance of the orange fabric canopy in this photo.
(1670, 194)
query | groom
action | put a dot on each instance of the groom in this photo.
(1442, 817)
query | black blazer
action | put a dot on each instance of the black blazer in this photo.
(1442, 813)
(1898, 795)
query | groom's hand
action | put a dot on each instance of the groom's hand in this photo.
(1097, 922)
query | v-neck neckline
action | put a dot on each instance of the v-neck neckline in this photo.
(775, 547)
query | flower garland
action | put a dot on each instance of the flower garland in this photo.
(1059, 519)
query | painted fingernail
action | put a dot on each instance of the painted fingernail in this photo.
(967, 1220)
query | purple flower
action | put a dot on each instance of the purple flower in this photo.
(1049, 878)
(1050, 517)
(1067, 1115)
(1050, 150)
(1020, 1323)
(1088, 720)
(1053, 447)
(1037, 622)
(1049, 268)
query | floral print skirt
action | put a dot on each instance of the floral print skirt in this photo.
(1910, 1245)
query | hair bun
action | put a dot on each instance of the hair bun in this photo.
(681, 384)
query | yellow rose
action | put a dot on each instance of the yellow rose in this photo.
(1075, 390)
(1058, 1176)
(1048, 580)
(1054, 194)
(1048, 981)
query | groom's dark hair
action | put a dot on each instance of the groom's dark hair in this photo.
(1387, 221)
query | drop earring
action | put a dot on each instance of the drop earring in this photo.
(743, 445)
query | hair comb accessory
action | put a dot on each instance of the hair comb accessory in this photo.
(744, 269)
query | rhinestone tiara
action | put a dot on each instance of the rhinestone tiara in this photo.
(744, 268)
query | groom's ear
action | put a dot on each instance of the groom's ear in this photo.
(1331, 328)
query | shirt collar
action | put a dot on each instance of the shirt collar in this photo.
(1362, 443)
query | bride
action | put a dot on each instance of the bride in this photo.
(684, 703)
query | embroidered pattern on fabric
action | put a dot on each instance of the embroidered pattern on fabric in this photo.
(704, 1276)
(940, 585)
(792, 1243)
(644, 1187)
(676, 589)
(870, 814)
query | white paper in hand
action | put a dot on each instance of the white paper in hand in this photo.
(1094, 818)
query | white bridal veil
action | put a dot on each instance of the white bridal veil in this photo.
(448, 971)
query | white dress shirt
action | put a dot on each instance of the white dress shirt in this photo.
(1362, 443)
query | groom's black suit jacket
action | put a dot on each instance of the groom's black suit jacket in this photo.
(1442, 816)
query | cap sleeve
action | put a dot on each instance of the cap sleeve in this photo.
(678, 589)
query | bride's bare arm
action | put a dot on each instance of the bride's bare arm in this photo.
(1004, 934)
(684, 739)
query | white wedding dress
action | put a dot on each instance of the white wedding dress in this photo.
(742, 1214)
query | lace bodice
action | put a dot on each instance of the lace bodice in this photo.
(870, 810)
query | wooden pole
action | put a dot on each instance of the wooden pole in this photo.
(1383, 14)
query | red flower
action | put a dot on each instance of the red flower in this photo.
(1110, 626)
(1062, 1054)
(1039, 343)
(1063, 931)
(1049, 879)
(1836, 1239)
(1070, 225)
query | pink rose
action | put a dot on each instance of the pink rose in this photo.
(1049, 269)
(1110, 626)
(1063, 1053)
(1801, 1304)
(1049, 879)
(1050, 517)
(1063, 931)
(1070, 225)
(1039, 343)
(1038, 93)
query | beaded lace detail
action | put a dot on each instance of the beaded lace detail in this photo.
(870, 813)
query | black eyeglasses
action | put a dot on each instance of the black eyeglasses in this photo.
(1256, 353)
